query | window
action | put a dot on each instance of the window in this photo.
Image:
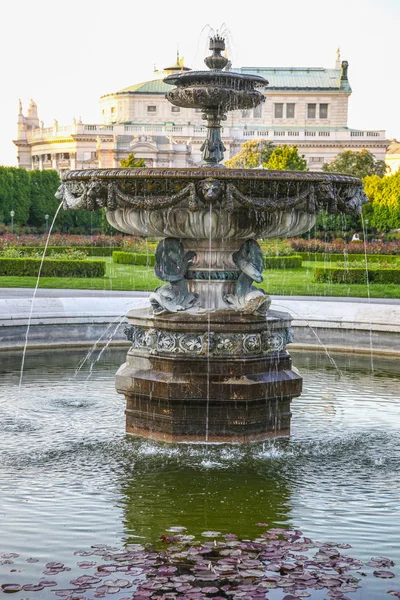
(245, 114)
(175, 109)
(290, 110)
(323, 111)
(257, 112)
(113, 110)
(311, 111)
(152, 109)
(198, 110)
(278, 111)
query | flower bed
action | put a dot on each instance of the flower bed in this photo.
(340, 247)
(51, 250)
(59, 239)
(29, 267)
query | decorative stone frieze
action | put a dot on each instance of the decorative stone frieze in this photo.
(207, 343)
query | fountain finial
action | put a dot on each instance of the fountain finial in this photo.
(216, 61)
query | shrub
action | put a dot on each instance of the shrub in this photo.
(319, 256)
(358, 275)
(282, 262)
(378, 263)
(29, 267)
(66, 253)
(133, 258)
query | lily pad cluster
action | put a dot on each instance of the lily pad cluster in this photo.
(214, 567)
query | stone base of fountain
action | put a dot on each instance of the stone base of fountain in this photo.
(218, 377)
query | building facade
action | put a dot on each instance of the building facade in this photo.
(393, 157)
(304, 106)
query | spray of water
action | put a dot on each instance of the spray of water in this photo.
(371, 349)
(34, 295)
(321, 343)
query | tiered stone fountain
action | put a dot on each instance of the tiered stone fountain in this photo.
(208, 360)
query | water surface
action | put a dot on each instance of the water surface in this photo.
(70, 477)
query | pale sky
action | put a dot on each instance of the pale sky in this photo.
(65, 55)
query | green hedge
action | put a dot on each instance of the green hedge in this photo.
(90, 250)
(270, 262)
(134, 258)
(342, 275)
(282, 262)
(322, 257)
(29, 267)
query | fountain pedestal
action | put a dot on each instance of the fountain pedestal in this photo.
(208, 377)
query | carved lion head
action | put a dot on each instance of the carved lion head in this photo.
(210, 190)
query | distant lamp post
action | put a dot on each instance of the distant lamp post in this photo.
(12, 215)
(47, 223)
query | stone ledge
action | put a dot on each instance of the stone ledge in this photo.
(80, 321)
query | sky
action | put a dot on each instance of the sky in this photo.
(65, 55)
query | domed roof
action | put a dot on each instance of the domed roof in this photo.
(153, 86)
(157, 86)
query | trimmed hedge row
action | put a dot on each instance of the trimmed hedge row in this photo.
(134, 258)
(29, 267)
(342, 275)
(270, 262)
(282, 262)
(90, 250)
(320, 256)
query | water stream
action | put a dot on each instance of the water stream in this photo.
(34, 293)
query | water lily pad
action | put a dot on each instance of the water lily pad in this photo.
(48, 582)
(122, 583)
(31, 587)
(11, 588)
(384, 574)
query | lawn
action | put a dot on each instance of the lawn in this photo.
(289, 282)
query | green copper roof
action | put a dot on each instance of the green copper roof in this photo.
(280, 78)
(155, 86)
(299, 78)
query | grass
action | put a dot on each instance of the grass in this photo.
(289, 282)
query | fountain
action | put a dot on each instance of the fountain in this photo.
(208, 361)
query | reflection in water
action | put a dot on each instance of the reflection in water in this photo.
(70, 477)
(201, 490)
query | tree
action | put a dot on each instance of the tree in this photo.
(383, 212)
(131, 162)
(253, 154)
(43, 186)
(286, 158)
(14, 194)
(360, 164)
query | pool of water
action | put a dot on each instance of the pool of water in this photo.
(71, 478)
